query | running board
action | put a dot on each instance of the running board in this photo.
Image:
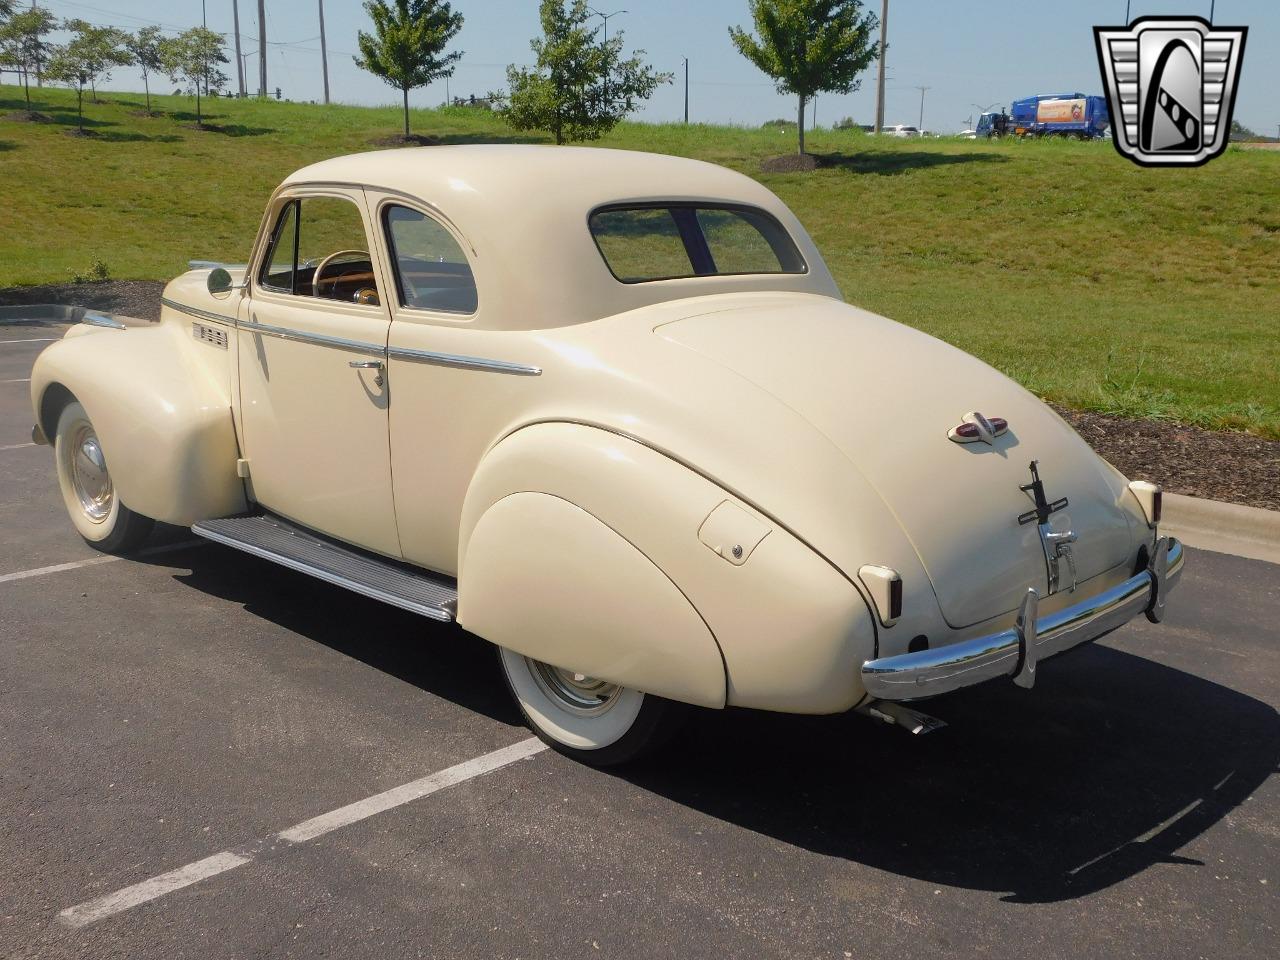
(275, 539)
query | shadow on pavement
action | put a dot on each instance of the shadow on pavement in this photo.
(1110, 765)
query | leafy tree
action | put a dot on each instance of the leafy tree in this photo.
(193, 56)
(144, 47)
(580, 88)
(406, 48)
(23, 45)
(809, 46)
(89, 56)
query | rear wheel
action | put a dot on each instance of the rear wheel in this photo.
(591, 720)
(90, 497)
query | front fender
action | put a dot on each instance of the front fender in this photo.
(792, 631)
(162, 412)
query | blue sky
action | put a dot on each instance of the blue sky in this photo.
(970, 53)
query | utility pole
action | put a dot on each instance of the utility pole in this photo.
(39, 73)
(814, 125)
(686, 90)
(204, 23)
(235, 23)
(920, 127)
(324, 58)
(884, 28)
(262, 48)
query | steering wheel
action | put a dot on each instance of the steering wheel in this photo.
(315, 277)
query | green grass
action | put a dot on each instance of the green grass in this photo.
(1150, 293)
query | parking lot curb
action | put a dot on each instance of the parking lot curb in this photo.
(1223, 527)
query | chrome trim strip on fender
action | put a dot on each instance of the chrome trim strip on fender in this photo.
(464, 363)
(197, 312)
(911, 676)
(319, 339)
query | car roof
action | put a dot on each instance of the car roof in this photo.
(522, 209)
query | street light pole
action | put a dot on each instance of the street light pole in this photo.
(921, 125)
(884, 28)
(605, 17)
(324, 57)
(686, 90)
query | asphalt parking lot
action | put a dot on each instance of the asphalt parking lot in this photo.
(168, 721)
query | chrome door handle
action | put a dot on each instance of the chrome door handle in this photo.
(369, 365)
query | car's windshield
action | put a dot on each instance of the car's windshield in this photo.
(668, 241)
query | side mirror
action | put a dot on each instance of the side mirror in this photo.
(219, 281)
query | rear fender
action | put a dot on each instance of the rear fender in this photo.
(160, 403)
(582, 548)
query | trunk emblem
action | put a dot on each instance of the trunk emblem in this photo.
(974, 426)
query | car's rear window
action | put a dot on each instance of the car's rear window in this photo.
(669, 241)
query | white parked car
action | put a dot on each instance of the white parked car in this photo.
(902, 131)
(608, 411)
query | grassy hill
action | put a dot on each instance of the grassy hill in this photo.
(1091, 281)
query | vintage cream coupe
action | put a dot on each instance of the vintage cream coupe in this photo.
(608, 411)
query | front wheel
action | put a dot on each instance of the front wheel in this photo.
(590, 720)
(90, 497)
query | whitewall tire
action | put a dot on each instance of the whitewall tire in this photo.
(591, 720)
(90, 496)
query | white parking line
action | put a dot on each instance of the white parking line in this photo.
(24, 380)
(32, 340)
(93, 561)
(117, 902)
(18, 446)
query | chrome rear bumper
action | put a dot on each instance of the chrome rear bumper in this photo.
(1016, 651)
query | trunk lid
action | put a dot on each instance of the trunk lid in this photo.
(886, 396)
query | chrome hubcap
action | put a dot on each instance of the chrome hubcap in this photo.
(576, 691)
(89, 477)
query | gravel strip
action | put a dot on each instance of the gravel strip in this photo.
(1217, 465)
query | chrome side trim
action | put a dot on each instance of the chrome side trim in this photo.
(197, 312)
(320, 339)
(911, 676)
(463, 363)
(103, 320)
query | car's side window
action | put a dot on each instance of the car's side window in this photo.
(432, 272)
(278, 272)
(320, 249)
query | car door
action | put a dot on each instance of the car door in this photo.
(312, 364)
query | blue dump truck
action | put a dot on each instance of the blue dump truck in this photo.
(1051, 114)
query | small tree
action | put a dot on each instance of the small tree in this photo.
(91, 53)
(809, 46)
(144, 46)
(193, 56)
(406, 48)
(579, 89)
(23, 45)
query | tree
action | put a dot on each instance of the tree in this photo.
(22, 43)
(193, 56)
(406, 48)
(809, 46)
(580, 88)
(89, 56)
(144, 46)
